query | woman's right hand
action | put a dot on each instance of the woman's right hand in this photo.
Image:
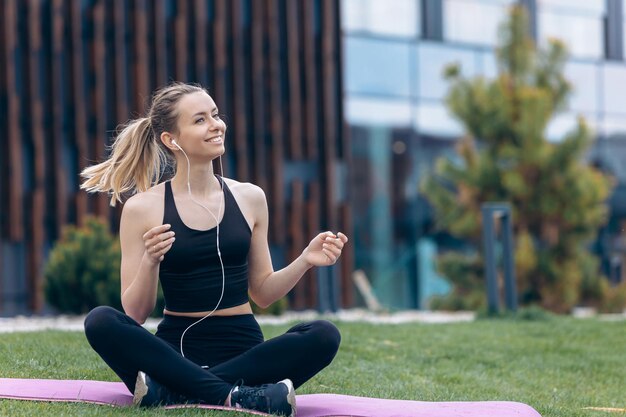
(158, 241)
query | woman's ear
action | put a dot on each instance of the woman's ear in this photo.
(169, 141)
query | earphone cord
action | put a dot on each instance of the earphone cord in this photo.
(219, 254)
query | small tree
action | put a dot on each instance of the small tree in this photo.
(558, 201)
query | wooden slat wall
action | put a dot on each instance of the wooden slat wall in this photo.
(14, 135)
(4, 149)
(75, 70)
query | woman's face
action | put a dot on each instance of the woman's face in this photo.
(200, 128)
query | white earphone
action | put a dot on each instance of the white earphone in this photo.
(217, 227)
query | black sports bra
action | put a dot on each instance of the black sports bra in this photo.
(190, 273)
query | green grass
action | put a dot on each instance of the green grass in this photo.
(557, 366)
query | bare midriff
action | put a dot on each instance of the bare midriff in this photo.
(231, 311)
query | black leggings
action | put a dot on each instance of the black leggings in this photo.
(231, 346)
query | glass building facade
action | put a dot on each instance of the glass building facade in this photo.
(395, 52)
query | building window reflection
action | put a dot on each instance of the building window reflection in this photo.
(488, 64)
(374, 111)
(474, 21)
(579, 23)
(583, 77)
(391, 18)
(375, 66)
(597, 7)
(613, 125)
(434, 118)
(564, 123)
(614, 79)
(432, 59)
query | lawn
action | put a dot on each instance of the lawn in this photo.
(558, 366)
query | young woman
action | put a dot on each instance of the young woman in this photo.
(205, 238)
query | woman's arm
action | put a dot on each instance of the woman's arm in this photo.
(142, 251)
(267, 285)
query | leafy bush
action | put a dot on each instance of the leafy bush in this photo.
(83, 269)
(531, 313)
(276, 309)
(465, 273)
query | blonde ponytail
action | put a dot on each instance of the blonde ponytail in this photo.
(134, 165)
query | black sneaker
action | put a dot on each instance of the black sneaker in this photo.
(278, 399)
(149, 393)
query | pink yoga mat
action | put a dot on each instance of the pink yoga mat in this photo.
(311, 405)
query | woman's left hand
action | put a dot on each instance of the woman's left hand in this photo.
(325, 249)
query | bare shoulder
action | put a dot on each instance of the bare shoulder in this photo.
(250, 199)
(246, 192)
(145, 208)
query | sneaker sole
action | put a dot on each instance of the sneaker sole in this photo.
(141, 388)
(291, 396)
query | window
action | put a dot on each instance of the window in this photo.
(583, 77)
(368, 111)
(394, 18)
(597, 7)
(564, 123)
(432, 59)
(488, 64)
(613, 124)
(579, 23)
(377, 67)
(614, 84)
(434, 118)
(474, 21)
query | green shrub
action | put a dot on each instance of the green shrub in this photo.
(530, 313)
(465, 273)
(83, 269)
(275, 309)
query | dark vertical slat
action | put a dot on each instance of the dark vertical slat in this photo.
(258, 96)
(220, 56)
(347, 259)
(345, 156)
(297, 227)
(14, 134)
(220, 47)
(432, 19)
(277, 206)
(313, 227)
(36, 221)
(142, 68)
(181, 25)
(614, 30)
(240, 121)
(160, 47)
(59, 22)
(100, 98)
(121, 51)
(4, 151)
(295, 150)
(330, 110)
(310, 73)
(80, 105)
(201, 24)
